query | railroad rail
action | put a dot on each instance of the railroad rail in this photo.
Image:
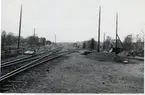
(26, 59)
(29, 65)
(22, 58)
(43, 59)
(22, 68)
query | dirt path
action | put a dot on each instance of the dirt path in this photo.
(81, 73)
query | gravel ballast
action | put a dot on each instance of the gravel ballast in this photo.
(75, 73)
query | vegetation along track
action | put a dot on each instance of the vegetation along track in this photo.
(36, 62)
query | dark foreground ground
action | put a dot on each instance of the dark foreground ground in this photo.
(93, 73)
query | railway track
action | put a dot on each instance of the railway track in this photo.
(22, 68)
(13, 58)
(10, 66)
(26, 59)
(41, 60)
(24, 56)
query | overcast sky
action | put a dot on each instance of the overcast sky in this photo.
(73, 20)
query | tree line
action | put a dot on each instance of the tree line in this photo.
(129, 43)
(9, 39)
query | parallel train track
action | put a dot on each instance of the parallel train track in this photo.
(25, 59)
(43, 59)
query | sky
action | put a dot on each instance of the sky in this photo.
(73, 20)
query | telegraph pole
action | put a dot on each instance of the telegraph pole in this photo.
(104, 41)
(104, 37)
(116, 27)
(20, 27)
(55, 39)
(34, 32)
(99, 29)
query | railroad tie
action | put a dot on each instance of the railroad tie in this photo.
(4, 89)
(8, 85)
(13, 81)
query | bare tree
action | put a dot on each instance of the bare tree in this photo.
(42, 40)
(139, 45)
(33, 40)
(142, 35)
(107, 43)
(3, 39)
(11, 39)
(128, 42)
(84, 45)
(92, 44)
